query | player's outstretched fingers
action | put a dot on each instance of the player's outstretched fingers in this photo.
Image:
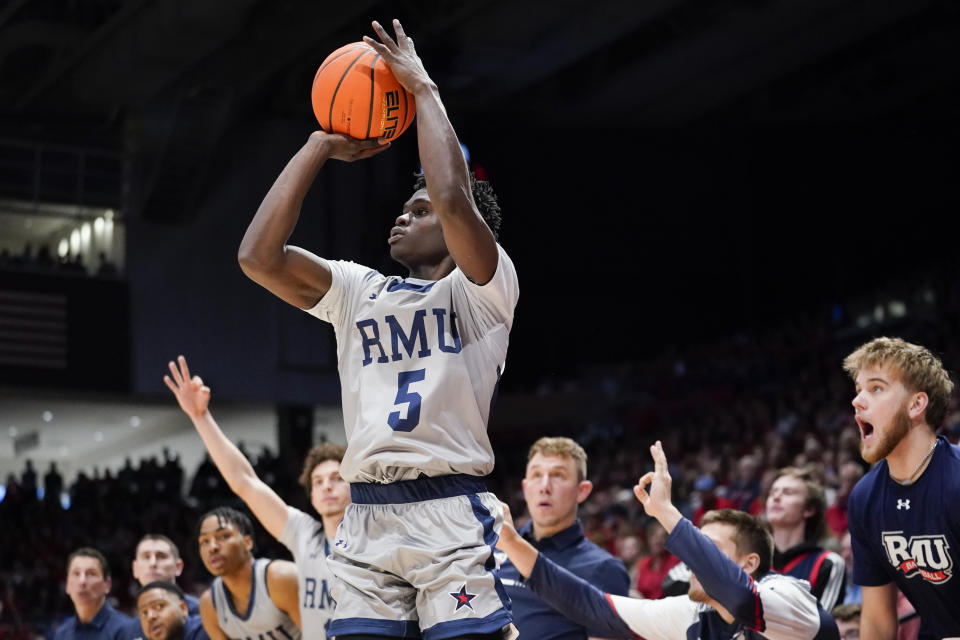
(384, 36)
(640, 490)
(167, 381)
(402, 37)
(184, 369)
(175, 373)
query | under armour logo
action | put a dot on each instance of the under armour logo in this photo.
(343, 543)
(903, 504)
(373, 296)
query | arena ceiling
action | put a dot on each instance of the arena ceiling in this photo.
(573, 63)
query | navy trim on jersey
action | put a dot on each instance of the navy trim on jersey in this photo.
(490, 537)
(373, 626)
(370, 274)
(401, 285)
(425, 488)
(253, 593)
(454, 628)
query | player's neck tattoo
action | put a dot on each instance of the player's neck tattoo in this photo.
(913, 476)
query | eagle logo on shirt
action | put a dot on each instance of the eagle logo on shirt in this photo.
(926, 555)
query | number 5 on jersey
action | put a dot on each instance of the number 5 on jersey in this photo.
(410, 398)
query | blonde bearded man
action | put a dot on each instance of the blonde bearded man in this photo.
(904, 524)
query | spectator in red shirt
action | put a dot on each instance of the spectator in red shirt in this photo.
(653, 568)
(709, 499)
(836, 514)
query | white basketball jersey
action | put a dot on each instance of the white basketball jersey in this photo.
(306, 540)
(263, 619)
(419, 364)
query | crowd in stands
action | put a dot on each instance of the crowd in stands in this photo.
(43, 260)
(730, 413)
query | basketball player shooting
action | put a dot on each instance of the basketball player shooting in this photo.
(419, 360)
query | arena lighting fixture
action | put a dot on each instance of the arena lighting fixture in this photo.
(47, 416)
(134, 421)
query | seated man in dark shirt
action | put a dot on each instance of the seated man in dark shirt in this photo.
(88, 583)
(162, 610)
(157, 558)
(554, 485)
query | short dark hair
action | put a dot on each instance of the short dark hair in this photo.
(752, 535)
(483, 196)
(229, 515)
(319, 453)
(90, 552)
(162, 538)
(161, 584)
(846, 612)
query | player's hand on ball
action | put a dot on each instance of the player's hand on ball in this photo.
(400, 56)
(192, 395)
(347, 149)
(655, 500)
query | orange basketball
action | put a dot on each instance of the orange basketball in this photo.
(355, 93)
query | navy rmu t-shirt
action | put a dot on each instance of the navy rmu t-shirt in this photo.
(911, 535)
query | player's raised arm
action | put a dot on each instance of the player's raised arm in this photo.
(468, 238)
(293, 274)
(194, 398)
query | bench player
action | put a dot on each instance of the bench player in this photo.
(307, 539)
(904, 524)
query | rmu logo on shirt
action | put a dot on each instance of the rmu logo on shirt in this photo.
(928, 556)
(441, 328)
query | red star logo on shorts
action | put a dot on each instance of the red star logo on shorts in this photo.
(463, 598)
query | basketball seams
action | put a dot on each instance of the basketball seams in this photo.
(373, 78)
(332, 58)
(333, 98)
(406, 111)
(344, 81)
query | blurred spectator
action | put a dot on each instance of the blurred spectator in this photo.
(795, 511)
(52, 484)
(28, 479)
(705, 486)
(847, 617)
(653, 568)
(850, 472)
(106, 268)
(853, 593)
(746, 487)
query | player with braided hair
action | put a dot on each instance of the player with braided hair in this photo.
(230, 608)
